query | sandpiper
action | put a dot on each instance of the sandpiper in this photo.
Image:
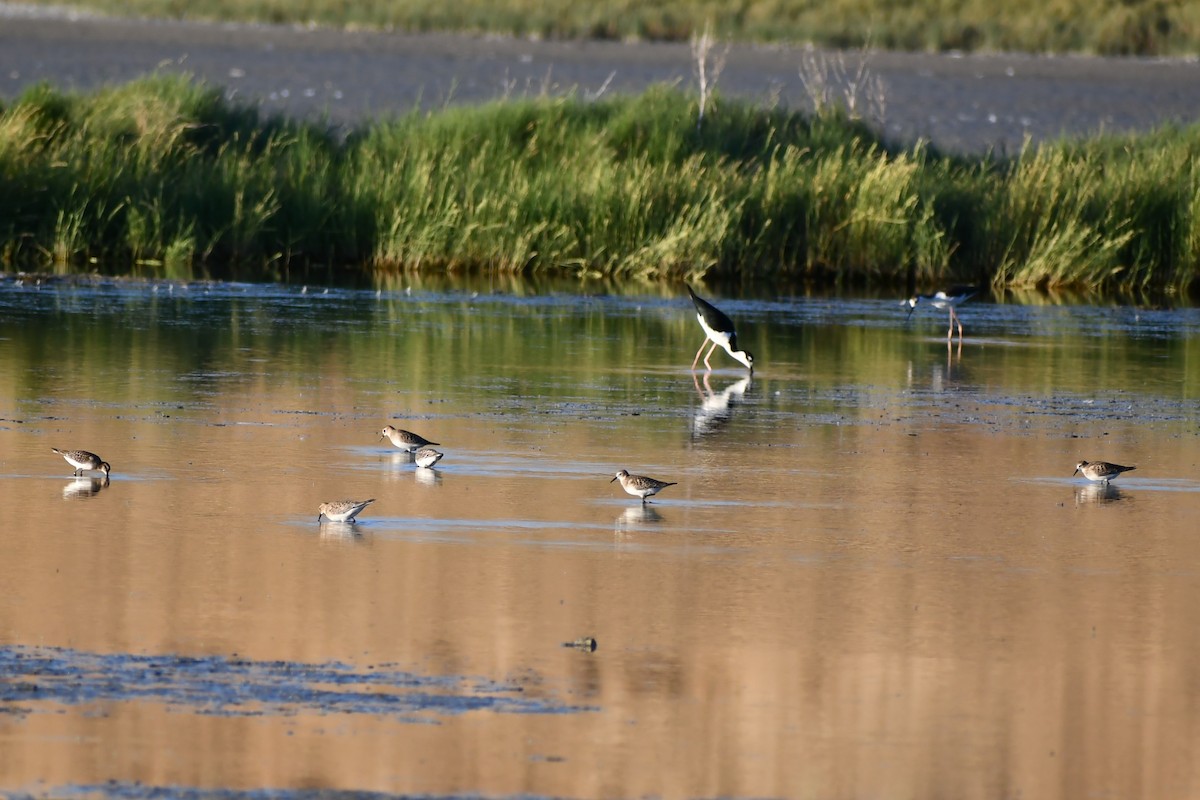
(427, 457)
(719, 330)
(1099, 470)
(945, 298)
(405, 440)
(83, 460)
(640, 485)
(342, 510)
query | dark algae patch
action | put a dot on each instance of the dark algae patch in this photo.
(31, 678)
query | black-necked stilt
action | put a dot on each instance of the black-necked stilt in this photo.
(945, 298)
(640, 485)
(405, 440)
(342, 510)
(82, 460)
(719, 330)
(1099, 470)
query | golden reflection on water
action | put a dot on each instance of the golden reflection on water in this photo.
(874, 577)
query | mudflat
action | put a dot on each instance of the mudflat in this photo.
(965, 103)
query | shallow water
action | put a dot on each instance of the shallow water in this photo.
(874, 577)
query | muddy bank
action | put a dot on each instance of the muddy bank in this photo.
(966, 103)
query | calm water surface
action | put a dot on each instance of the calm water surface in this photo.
(875, 577)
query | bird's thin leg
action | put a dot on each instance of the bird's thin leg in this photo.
(709, 355)
(958, 319)
(696, 360)
(950, 333)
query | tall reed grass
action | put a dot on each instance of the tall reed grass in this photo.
(166, 177)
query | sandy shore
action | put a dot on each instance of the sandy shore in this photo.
(967, 103)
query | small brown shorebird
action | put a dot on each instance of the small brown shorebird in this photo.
(719, 330)
(945, 298)
(1099, 470)
(405, 440)
(342, 510)
(426, 457)
(82, 460)
(640, 485)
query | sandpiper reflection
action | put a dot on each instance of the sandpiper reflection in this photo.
(340, 532)
(635, 517)
(1096, 493)
(84, 487)
(428, 476)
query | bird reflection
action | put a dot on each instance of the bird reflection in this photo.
(716, 408)
(340, 532)
(942, 377)
(639, 516)
(1096, 493)
(428, 476)
(82, 488)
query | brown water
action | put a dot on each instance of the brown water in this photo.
(875, 577)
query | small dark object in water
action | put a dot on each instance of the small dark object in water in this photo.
(584, 643)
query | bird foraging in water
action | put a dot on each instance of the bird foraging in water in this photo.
(640, 485)
(1101, 471)
(719, 330)
(426, 457)
(944, 298)
(405, 440)
(342, 510)
(83, 460)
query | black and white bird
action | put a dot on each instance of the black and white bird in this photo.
(945, 298)
(719, 330)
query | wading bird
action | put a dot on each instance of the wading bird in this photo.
(82, 460)
(1100, 471)
(944, 298)
(342, 510)
(719, 330)
(640, 485)
(405, 440)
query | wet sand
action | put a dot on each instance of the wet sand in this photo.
(965, 103)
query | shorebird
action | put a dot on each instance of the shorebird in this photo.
(83, 460)
(405, 440)
(427, 457)
(640, 485)
(944, 298)
(719, 330)
(1099, 470)
(342, 510)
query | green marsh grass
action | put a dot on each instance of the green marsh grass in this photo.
(165, 177)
